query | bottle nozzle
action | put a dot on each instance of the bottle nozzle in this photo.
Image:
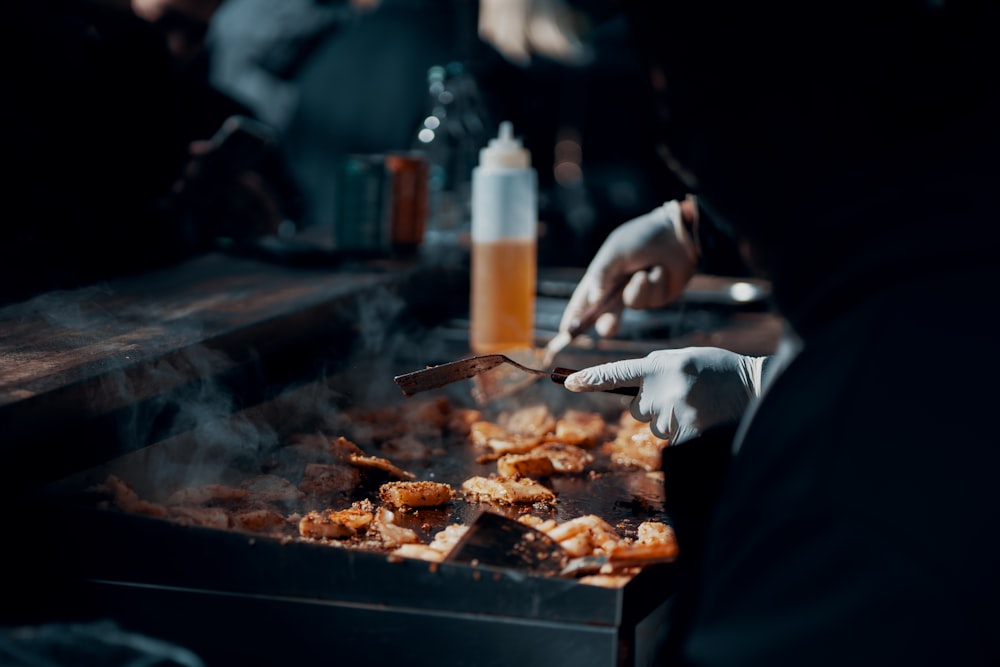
(505, 150)
(506, 131)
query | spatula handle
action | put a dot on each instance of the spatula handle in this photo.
(559, 376)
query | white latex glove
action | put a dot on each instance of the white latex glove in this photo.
(644, 263)
(519, 28)
(682, 392)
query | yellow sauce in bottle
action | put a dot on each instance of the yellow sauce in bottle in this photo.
(502, 297)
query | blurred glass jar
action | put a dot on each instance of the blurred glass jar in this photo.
(381, 204)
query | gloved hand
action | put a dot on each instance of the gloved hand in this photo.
(644, 263)
(519, 28)
(682, 392)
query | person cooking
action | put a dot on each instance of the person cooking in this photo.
(836, 503)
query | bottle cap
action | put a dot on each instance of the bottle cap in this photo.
(505, 150)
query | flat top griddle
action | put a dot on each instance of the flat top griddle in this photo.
(112, 545)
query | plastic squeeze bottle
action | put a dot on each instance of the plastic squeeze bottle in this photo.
(504, 246)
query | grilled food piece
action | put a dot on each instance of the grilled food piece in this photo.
(423, 417)
(525, 465)
(331, 524)
(585, 534)
(265, 489)
(258, 520)
(635, 446)
(343, 449)
(443, 542)
(446, 538)
(655, 532)
(419, 551)
(507, 490)
(126, 499)
(416, 494)
(380, 464)
(606, 580)
(408, 447)
(500, 441)
(580, 428)
(206, 494)
(566, 459)
(328, 483)
(392, 535)
(532, 421)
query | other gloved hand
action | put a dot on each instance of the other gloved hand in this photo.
(682, 392)
(519, 28)
(644, 263)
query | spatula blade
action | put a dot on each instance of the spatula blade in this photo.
(434, 377)
(496, 540)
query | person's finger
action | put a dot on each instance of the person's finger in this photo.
(502, 24)
(625, 373)
(607, 324)
(665, 426)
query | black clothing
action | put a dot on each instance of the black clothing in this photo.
(854, 523)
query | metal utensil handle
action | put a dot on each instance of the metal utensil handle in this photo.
(559, 376)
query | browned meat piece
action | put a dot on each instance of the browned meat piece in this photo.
(566, 459)
(331, 524)
(525, 465)
(500, 441)
(206, 494)
(328, 483)
(635, 446)
(580, 428)
(443, 542)
(419, 552)
(381, 464)
(586, 534)
(507, 490)
(343, 449)
(259, 520)
(416, 494)
(535, 421)
(655, 532)
(265, 489)
(391, 534)
(422, 417)
(126, 499)
(409, 447)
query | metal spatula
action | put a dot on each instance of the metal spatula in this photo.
(434, 377)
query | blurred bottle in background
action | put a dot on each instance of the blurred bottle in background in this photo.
(454, 128)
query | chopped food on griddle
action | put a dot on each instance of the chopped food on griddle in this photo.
(331, 490)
